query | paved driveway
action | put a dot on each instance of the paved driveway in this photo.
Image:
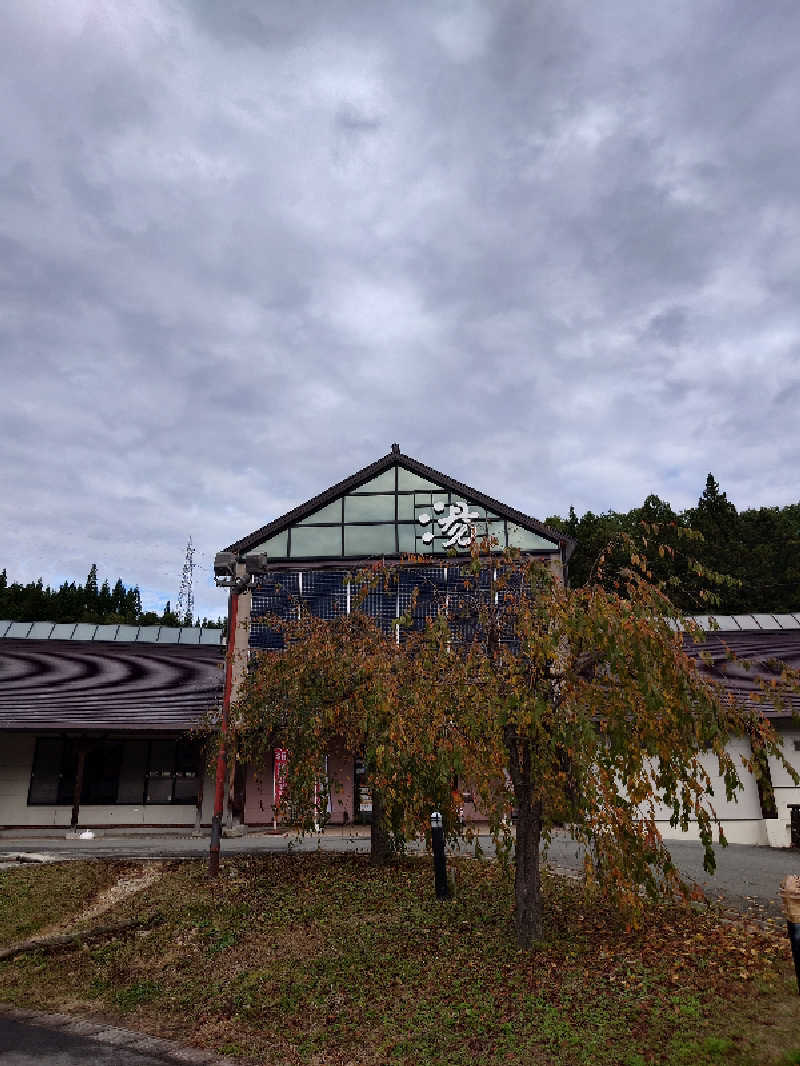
(747, 877)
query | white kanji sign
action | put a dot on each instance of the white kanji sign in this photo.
(457, 524)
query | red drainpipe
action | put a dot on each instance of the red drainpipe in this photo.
(219, 791)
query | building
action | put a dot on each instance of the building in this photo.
(398, 505)
(121, 700)
(761, 643)
(394, 507)
(112, 707)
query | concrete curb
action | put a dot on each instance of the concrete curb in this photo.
(114, 1036)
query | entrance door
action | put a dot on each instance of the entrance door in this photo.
(362, 800)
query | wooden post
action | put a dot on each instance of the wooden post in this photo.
(76, 795)
(198, 811)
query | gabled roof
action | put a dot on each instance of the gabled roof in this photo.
(396, 457)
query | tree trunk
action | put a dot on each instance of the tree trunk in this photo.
(380, 845)
(527, 879)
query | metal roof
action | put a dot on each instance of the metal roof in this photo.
(107, 685)
(116, 633)
(722, 655)
(738, 623)
(395, 456)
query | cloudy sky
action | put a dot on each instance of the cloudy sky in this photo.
(551, 248)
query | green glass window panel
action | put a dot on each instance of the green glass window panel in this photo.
(407, 536)
(437, 545)
(275, 547)
(311, 541)
(369, 508)
(525, 540)
(498, 529)
(482, 512)
(408, 481)
(425, 500)
(369, 540)
(331, 513)
(382, 483)
(405, 508)
(420, 547)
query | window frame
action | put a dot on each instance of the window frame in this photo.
(67, 787)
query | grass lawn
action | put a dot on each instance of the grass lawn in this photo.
(36, 896)
(318, 958)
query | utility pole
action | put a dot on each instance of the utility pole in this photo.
(185, 610)
(236, 575)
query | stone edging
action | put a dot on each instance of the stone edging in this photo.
(113, 1036)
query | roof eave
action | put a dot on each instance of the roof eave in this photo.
(253, 539)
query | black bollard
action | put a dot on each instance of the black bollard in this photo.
(794, 940)
(439, 864)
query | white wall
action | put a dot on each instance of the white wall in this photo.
(786, 791)
(16, 760)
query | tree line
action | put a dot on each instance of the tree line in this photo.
(89, 602)
(749, 559)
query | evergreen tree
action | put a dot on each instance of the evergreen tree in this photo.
(105, 602)
(91, 582)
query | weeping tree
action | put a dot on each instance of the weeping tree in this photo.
(561, 707)
(341, 684)
(582, 708)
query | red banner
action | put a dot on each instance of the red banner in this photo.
(281, 760)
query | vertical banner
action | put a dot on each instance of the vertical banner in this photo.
(279, 785)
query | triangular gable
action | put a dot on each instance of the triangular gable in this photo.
(395, 505)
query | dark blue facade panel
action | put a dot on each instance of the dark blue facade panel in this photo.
(324, 592)
(275, 595)
(424, 592)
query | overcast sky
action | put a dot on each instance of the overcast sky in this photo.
(550, 248)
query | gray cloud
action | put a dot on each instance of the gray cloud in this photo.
(551, 249)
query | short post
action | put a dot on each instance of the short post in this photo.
(439, 863)
(790, 896)
(794, 940)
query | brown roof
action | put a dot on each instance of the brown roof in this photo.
(764, 650)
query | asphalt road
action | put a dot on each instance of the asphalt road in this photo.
(28, 1044)
(747, 877)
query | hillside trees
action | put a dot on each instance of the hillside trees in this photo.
(758, 551)
(75, 602)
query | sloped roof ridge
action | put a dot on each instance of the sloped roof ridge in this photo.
(277, 525)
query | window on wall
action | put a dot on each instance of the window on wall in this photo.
(394, 513)
(172, 774)
(55, 765)
(139, 771)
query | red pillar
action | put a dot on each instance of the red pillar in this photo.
(216, 822)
